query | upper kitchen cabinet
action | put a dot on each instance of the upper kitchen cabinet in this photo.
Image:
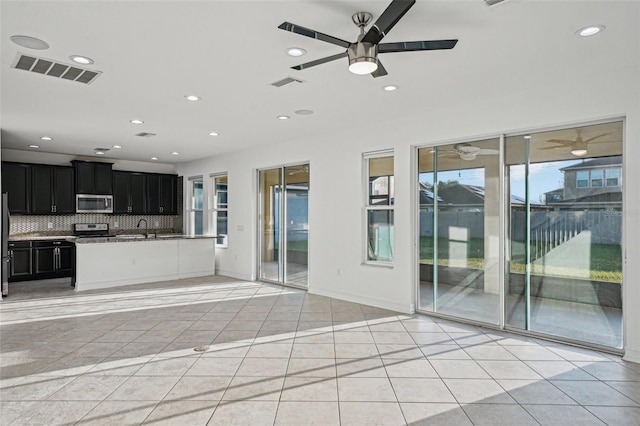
(16, 181)
(129, 193)
(93, 177)
(52, 189)
(161, 194)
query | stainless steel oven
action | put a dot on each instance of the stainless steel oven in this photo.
(86, 203)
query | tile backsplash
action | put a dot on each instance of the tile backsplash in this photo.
(61, 225)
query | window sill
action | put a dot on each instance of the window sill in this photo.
(388, 265)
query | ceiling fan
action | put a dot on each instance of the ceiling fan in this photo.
(363, 54)
(578, 145)
(468, 152)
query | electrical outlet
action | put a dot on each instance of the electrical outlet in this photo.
(156, 224)
(240, 228)
(116, 224)
(50, 225)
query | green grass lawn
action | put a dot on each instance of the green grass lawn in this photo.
(606, 259)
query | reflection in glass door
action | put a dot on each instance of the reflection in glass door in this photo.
(284, 225)
(564, 269)
(459, 237)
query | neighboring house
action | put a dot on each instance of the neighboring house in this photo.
(455, 196)
(592, 184)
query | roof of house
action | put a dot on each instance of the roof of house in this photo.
(601, 161)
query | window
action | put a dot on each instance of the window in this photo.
(379, 207)
(195, 206)
(613, 177)
(597, 178)
(219, 209)
(582, 179)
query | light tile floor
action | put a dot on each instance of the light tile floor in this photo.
(275, 355)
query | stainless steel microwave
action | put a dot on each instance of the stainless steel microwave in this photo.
(88, 203)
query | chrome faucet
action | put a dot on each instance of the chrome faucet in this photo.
(146, 227)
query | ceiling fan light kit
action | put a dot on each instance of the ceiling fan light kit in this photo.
(363, 54)
(363, 58)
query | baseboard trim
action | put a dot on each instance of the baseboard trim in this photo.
(631, 355)
(231, 274)
(365, 300)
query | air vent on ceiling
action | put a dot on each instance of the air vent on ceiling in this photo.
(492, 3)
(284, 81)
(145, 134)
(102, 149)
(54, 69)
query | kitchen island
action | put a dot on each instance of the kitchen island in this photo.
(112, 262)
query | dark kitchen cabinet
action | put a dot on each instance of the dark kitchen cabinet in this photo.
(52, 190)
(52, 259)
(19, 260)
(161, 194)
(16, 181)
(129, 193)
(93, 178)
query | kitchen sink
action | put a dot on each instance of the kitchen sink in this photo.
(130, 237)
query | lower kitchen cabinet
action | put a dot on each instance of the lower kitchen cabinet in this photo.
(36, 260)
(52, 259)
(19, 260)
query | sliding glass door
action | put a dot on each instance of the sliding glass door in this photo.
(532, 242)
(459, 230)
(564, 269)
(284, 225)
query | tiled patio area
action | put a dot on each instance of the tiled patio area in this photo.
(275, 355)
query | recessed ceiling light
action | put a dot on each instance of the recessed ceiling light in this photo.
(99, 152)
(46, 138)
(116, 147)
(154, 158)
(304, 112)
(137, 122)
(192, 98)
(81, 59)
(175, 153)
(296, 51)
(283, 117)
(214, 134)
(390, 88)
(30, 42)
(590, 30)
(527, 137)
(34, 146)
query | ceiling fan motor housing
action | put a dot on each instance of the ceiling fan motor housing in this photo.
(363, 52)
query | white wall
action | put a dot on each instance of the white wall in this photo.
(335, 201)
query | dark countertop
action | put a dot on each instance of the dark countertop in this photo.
(114, 239)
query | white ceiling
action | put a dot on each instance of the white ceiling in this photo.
(154, 53)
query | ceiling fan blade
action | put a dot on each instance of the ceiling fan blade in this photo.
(488, 151)
(319, 61)
(412, 46)
(596, 137)
(288, 26)
(380, 72)
(564, 142)
(387, 20)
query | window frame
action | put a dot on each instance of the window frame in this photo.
(389, 206)
(600, 178)
(617, 177)
(587, 180)
(213, 210)
(191, 209)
